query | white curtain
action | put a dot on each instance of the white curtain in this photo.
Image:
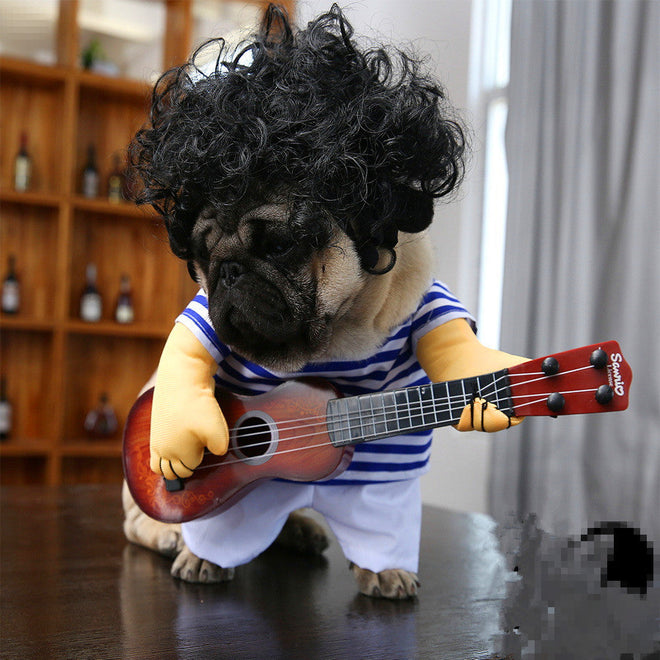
(583, 254)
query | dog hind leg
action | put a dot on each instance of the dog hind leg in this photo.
(302, 534)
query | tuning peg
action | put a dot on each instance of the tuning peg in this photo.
(598, 359)
(604, 394)
(556, 402)
(550, 366)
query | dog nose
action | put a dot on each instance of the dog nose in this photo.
(230, 272)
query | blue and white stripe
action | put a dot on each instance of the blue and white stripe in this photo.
(393, 366)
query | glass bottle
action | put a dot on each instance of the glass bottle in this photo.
(5, 410)
(22, 165)
(91, 303)
(124, 312)
(90, 177)
(101, 421)
(116, 181)
(11, 289)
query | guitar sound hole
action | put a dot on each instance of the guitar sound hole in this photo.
(254, 437)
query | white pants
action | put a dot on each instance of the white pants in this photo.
(377, 525)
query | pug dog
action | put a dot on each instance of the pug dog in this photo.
(296, 176)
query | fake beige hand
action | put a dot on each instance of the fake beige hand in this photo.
(452, 351)
(481, 415)
(185, 416)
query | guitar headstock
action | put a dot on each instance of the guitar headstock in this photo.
(590, 379)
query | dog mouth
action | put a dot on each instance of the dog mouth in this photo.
(243, 323)
(255, 316)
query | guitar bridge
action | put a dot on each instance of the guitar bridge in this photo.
(173, 485)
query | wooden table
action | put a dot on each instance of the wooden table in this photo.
(72, 587)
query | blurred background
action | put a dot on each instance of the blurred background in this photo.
(553, 241)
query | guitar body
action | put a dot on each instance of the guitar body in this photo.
(263, 445)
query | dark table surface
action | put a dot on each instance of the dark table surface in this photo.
(72, 587)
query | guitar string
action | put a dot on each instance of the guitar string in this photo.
(278, 452)
(361, 422)
(442, 405)
(423, 409)
(236, 459)
(372, 417)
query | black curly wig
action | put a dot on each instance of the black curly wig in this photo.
(363, 134)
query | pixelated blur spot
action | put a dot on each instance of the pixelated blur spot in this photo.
(630, 562)
(585, 597)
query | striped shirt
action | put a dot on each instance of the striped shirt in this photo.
(394, 365)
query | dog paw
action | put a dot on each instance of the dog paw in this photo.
(190, 568)
(303, 534)
(392, 583)
(170, 542)
(160, 537)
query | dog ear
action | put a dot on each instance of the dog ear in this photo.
(403, 209)
(413, 209)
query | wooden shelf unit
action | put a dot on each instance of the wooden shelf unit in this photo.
(55, 365)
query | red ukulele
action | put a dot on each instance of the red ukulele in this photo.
(304, 430)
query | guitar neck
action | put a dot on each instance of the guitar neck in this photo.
(590, 379)
(368, 417)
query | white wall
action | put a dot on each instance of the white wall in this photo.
(459, 473)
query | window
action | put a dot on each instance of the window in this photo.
(488, 91)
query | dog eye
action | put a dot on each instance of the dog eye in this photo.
(274, 245)
(280, 248)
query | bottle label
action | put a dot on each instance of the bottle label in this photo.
(90, 307)
(90, 184)
(10, 297)
(22, 173)
(5, 417)
(124, 314)
(114, 189)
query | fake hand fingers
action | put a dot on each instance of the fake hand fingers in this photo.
(481, 415)
(175, 464)
(181, 433)
(169, 469)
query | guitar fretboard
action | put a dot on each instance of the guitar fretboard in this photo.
(367, 417)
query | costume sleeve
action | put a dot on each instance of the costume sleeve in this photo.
(196, 318)
(438, 306)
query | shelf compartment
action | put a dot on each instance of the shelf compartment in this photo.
(117, 245)
(34, 104)
(29, 232)
(118, 366)
(26, 359)
(108, 122)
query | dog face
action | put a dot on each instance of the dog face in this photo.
(278, 277)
